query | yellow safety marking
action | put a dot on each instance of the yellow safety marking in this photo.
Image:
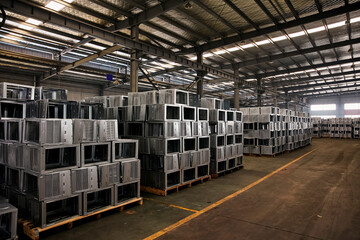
(171, 205)
(187, 219)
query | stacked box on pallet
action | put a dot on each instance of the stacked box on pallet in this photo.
(55, 168)
(251, 130)
(316, 122)
(270, 130)
(338, 127)
(356, 128)
(226, 136)
(173, 136)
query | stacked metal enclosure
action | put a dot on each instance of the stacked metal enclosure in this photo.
(316, 121)
(54, 168)
(270, 130)
(337, 127)
(8, 219)
(173, 134)
(226, 136)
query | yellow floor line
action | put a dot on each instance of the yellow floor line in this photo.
(187, 219)
(171, 205)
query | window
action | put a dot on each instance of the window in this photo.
(325, 116)
(351, 106)
(352, 116)
(323, 107)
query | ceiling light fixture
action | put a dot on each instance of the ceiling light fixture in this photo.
(54, 6)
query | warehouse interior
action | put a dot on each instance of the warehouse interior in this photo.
(175, 119)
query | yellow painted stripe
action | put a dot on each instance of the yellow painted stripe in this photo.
(171, 205)
(187, 219)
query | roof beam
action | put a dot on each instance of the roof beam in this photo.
(215, 15)
(146, 15)
(321, 84)
(304, 68)
(349, 92)
(325, 89)
(293, 53)
(301, 80)
(82, 61)
(281, 26)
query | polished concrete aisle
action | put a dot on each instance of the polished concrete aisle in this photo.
(317, 197)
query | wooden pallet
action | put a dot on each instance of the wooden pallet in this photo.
(223, 173)
(33, 232)
(162, 192)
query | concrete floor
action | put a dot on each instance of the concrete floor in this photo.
(317, 197)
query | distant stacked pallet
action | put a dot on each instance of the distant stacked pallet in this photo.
(316, 121)
(226, 138)
(337, 127)
(356, 128)
(270, 130)
(53, 168)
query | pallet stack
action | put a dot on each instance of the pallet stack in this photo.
(316, 121)
(356, 128)
(173, 134)
(270, 130)
(226, 136)
(338, 127)
(58, 168)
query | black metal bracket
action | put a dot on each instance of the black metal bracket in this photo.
(3, 16)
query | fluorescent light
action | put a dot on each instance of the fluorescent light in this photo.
(208, 55)
(220, 52)
(69, 1)
(346, 64)
(321, 69)
(193, 58)
(297, 34)
(26, 27)
(263, 42)
(354, 20)
(247, 45)
(54, 6)
(335, 66)
(280, 38)
(233, 49)
(335, 25)
(314, 30)
(33, 21)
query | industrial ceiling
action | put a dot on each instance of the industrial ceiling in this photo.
(288, 49)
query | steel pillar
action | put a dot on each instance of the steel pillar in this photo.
(259, 103)
(236, 89)
(134, 62)
(200, 75)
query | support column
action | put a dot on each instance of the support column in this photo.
(275, 102)
(200, 75)
(37, 81)
(101, 90)
(134, 63)
(259, 92)
(286, 100)
(236, 88)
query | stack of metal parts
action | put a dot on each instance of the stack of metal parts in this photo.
(316, 121)
(356, 128)
(8, 219)
(173, 134)
(226, 136)
(338, 127)
(54, 168)
(270, 130)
